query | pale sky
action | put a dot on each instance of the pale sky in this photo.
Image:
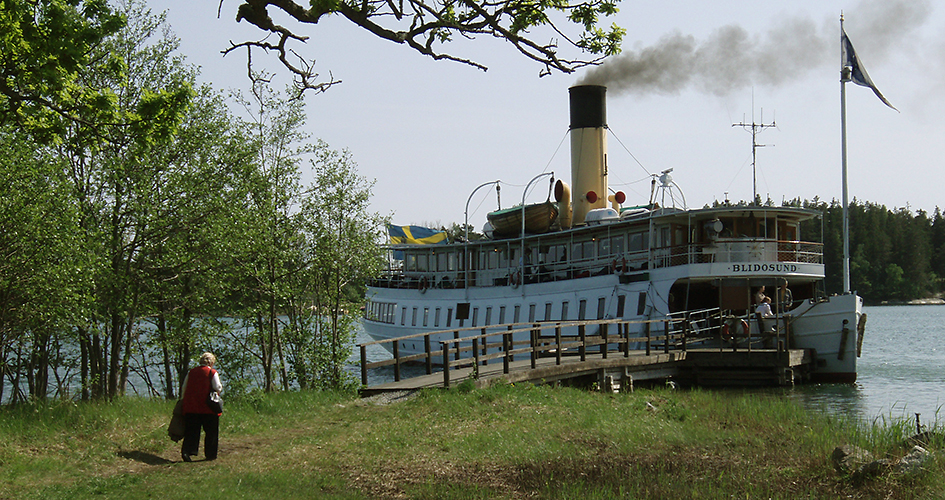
(430, 131)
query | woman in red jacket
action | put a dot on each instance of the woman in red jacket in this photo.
(197, 386)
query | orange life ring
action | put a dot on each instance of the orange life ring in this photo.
(729, 335)
(619, 265)
(515, 279)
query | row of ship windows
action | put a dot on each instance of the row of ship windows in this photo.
(501, 257)
(384, 312)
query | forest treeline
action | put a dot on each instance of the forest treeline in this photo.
(895, 254)
(143, 221)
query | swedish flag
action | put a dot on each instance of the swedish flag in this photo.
(415, 235)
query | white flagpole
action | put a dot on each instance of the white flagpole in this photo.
(844, 78)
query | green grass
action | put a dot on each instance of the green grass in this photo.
(504, 442)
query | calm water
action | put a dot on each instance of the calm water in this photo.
(901, 372)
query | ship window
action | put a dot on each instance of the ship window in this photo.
(663, 237)
(426, 316)
(441, 261)
(557, 253)
(462, 310)
(582, 310)
(637, 242)
(436, 318)
(449, 316)
(403, 316)
(516, 316)
(501, 315)
(504, 258)
(531, 313)
(576, 253)
(601, 307)
(488, 316)
(641, 304)
(475, 317)
(564, 311)
(617, 244)
(423, 262)
(493, 259)
(548, 311)
(413, 320)
(621, 303)
(589, 250)
(410, 262)
(451, 261)
(603, 247)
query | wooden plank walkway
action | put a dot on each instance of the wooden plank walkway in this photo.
(638, 364)
(489, 356)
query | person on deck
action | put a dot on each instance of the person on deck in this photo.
(765, 315)
(785, 298)
(197, 386)
(759, 295)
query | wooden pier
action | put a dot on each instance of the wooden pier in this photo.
(564, 352)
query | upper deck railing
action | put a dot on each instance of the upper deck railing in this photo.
(746, 250)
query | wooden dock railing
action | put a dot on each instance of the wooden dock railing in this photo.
(457, 348)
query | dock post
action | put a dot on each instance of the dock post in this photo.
(666, 331)
(558, 345)
(429, 352)
(475, 348)
(626, 338)
(456, 337)
(582, 333)
(647, 328)
(604, 347)
(485, 345)
(446, 364)
(511, 344)
(506, 340)
(533, 340)
(363, 365)
(396, 362)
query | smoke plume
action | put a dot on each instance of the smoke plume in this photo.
(732, 59)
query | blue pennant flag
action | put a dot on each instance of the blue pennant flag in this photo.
(857, 72)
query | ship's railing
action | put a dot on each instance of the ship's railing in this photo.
(477, 346)
(723, 250)
(740, 250)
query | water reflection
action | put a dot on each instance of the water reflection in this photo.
(834, 399)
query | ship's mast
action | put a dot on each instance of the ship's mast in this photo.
(755, 129)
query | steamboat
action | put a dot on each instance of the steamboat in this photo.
(587, 256)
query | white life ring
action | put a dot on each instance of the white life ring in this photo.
(733, 327)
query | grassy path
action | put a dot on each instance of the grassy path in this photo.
(505, 442)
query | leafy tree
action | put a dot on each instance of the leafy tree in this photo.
(41, 278)
(116, 187)
(184, 273)
(45, 45)
(342, 238)
(266, 268)
(428, 26)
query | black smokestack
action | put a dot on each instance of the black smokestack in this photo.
(588, 106)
